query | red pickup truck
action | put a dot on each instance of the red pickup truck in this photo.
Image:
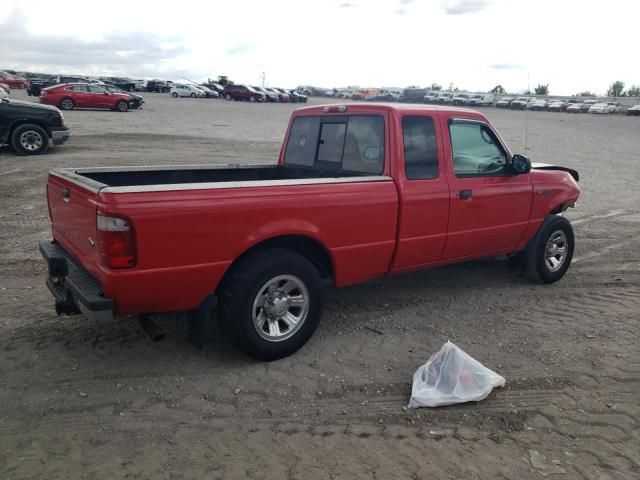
(359, 191)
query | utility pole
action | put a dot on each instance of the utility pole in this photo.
(264, 76)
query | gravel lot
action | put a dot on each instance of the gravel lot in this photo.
(103, 401)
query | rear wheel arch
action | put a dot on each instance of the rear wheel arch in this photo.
(310, 248)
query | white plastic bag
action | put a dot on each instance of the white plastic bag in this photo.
(452, 376)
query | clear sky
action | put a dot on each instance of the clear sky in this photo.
(573, 45)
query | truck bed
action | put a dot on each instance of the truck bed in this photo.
(200, 174)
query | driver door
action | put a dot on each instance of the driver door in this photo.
(489, 208)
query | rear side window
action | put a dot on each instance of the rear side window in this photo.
(351, 143)
(78, 88)
(420, 148)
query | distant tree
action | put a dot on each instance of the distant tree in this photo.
(615, 89)
(527, 92)
(586, 93)
(542, 89)
(633, 91)
(435, 87)
(497, 89)
(452, 88)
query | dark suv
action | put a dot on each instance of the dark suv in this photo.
(38, 84)
(243, 92)
(159, 86)
(31, 128)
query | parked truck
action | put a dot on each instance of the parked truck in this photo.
(359, 191)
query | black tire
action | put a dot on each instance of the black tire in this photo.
(193, 95)
(242, 287)
(537, 268)
(67, 104)
(252, 99)
(29, 139)
(122, 106)
(228, 97)
(174, 95)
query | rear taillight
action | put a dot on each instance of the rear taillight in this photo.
(116, 242)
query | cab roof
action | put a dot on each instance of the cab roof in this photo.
(379, 107)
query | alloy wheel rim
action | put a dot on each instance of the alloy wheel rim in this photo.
(555, 252)
(280, 308)
(31, 141)
(67, 104)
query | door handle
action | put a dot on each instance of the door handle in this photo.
(65, 194)
(465, 194)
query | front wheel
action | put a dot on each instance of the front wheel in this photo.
(227, 96)
(193, 95)
(122, 106)
(549, 253)
(174, 95)
(30, 139)
(271, 302)
(252, 99)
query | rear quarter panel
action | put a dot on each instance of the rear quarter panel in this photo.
(187, 239)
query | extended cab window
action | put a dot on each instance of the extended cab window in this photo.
(476, 150)
(350, 143)
(420, 148)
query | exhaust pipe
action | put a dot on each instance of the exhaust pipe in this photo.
(150, 327)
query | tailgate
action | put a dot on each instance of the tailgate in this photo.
(73, 217)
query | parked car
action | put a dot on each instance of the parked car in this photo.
(575, 108)
(141, 85)
(444, 98)
(282, 97)
(460, 99)
(37, 85)
(522, 103)
(614, 107)
(297, 97)
(209, 92)
(186, 90)
(413, 95)
(558, 106)
(243, 92)
(265, 240)
(599, 108)
(504, 102)
(84, 95)
(587, 104)
(270, 96)
(125, 84)
(481, 99)
(159, 86)
(635, 110)
(14, 81)
(5, 90)
(137, 102)
(30, 128)
(539, 105)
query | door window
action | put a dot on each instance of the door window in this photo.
(94, 89)
(78, 88)
(476, 150)
(420, 148)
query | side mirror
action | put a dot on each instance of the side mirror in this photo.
(520, 164)
(107, 93)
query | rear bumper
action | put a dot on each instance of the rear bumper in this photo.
(60, 135)
(74, 289)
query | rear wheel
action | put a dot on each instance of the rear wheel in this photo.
(549, 253)
(174, 95)
(227, 96)
(271, 302)
(122, 106)
(67, 104)
(30, 139)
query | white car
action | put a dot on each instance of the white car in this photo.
(481, 99)
(444, 98)
(186, 90)
(614, 107)
(141, 85)
(431, 97)
(599, 108)
(635, 110)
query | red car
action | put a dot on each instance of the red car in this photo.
(14, 81)
(360, 191)
(85, 95)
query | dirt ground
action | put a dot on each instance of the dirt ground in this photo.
(79, 400)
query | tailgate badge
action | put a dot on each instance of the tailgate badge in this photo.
(91, 242)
